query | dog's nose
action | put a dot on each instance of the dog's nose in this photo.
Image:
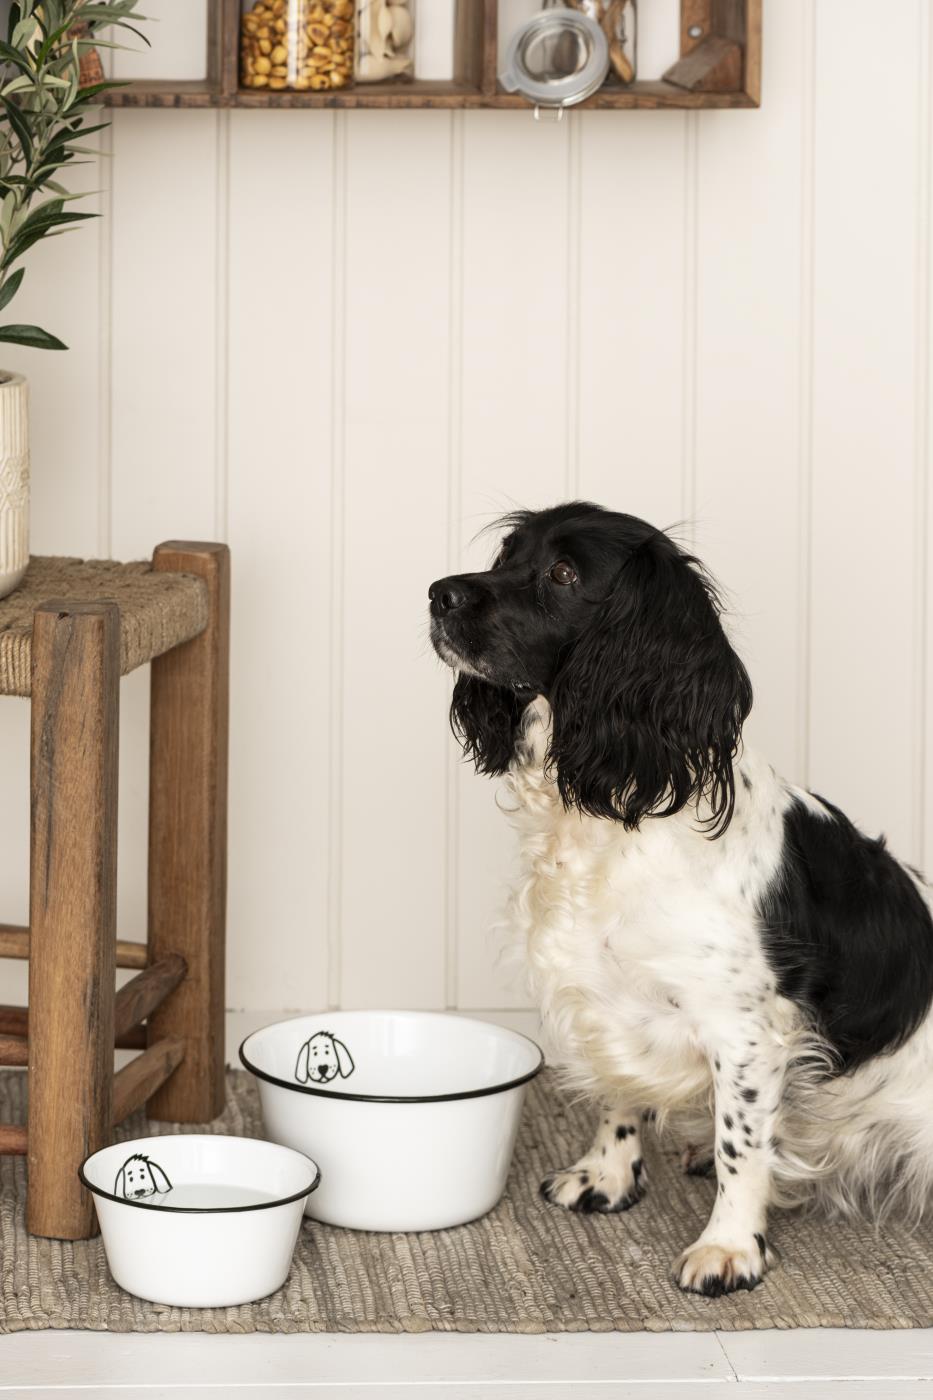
(446, 596)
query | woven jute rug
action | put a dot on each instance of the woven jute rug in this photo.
(527, 1267)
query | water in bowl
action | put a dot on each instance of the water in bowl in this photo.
(210, 1195)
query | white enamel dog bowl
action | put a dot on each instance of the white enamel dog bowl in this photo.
(412, 1115)
(197, 1221)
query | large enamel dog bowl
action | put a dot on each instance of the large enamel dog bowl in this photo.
(413, 1115)
(197, 1221)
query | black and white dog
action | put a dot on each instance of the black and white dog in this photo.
(705, 939)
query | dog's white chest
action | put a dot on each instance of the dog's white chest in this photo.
(640, 944)
(606, 934)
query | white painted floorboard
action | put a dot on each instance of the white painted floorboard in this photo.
(585, 1390)
(802, 1365)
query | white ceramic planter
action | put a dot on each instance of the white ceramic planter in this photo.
(14, 480)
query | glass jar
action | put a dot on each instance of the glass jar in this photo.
(385, 39)
(619, 22)
(302, 45)
(557, 58)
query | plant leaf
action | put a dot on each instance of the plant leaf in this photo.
(17, 85)
(33, 336)
(20, 125)
(87, 94)
(36, 227)
(7, 210)
(24, 32)
(11, 54)
(11, 287)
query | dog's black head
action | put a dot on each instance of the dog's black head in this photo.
(610, 620)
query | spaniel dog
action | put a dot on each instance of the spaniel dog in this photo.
(708, 943)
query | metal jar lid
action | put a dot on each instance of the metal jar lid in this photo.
(556, 59)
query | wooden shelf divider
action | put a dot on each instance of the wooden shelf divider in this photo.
(721, 25)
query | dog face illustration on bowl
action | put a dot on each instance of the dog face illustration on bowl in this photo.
(323, 1058)
(140, 1177)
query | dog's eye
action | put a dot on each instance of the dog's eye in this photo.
(562, 573)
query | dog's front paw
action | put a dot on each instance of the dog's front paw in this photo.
(714, 1269)
(592, 1187)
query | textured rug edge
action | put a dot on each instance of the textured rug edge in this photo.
(475, 1327)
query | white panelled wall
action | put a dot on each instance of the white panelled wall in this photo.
(345, 341)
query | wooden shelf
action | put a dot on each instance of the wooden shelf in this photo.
(166, 93)
(640, 96)
(703, 22)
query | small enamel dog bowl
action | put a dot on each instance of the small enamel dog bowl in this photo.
(413, 1115)
(198, 1221)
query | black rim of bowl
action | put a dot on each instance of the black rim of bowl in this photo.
(395, 1098)
(202, 1210)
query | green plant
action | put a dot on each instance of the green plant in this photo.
(43, 109)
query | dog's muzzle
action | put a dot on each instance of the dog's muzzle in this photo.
(446, 596)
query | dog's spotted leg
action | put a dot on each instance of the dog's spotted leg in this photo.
(611, 1176)
(732, 1252)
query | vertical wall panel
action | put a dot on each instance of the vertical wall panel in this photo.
(164, 239)
(514, 445)
(632, 290)
(863, 739)
(748, 489)
(925, 438)
(163, 407)
(280, 290)
(394, 519)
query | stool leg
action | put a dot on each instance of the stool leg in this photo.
(188, 838)
(73, 892)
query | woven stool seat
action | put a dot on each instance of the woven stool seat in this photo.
(158, 610)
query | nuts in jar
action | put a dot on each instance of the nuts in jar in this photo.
(305, 45)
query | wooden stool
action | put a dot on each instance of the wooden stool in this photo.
(66, 636)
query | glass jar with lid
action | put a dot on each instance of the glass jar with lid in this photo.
(385, 39)
(298, 45)
(563, 54)
(619, 22)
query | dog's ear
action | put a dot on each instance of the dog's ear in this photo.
(485, 720)
(345, 1063)
(119, 1186)
(302, 1073)
(649, 704)
(160, 1181)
